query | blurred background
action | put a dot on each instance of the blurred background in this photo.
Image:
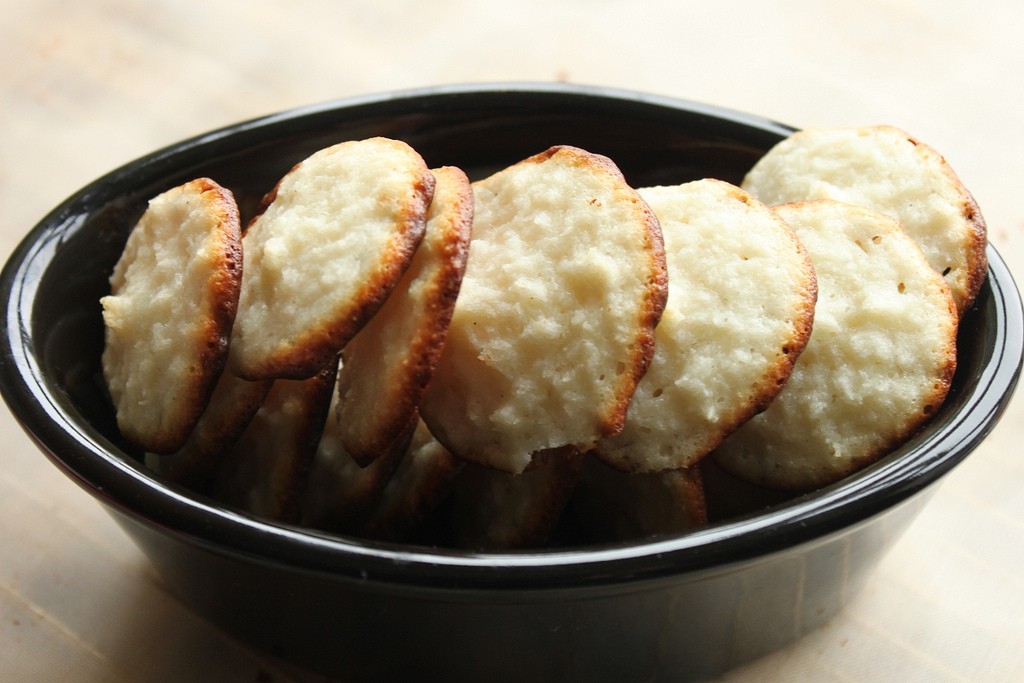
(87, 86)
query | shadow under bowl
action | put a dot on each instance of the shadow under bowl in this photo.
(670, 608)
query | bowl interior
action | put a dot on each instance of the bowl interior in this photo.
(54, 332)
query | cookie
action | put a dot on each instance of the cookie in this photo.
(554, 324)
(727, 497)
(494, 511)
(610, 505)
(340, 492)
(388, 364)
(877, 366)
(168, 317)
(739, 312)
(232, 405)
(329, 244)
(266, 470)
(886, 169)
(422, 480)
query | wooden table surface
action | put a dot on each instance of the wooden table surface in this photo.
(87, 86)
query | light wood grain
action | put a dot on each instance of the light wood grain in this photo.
(87, 86)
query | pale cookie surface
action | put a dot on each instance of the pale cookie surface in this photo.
(334, 238)
(739, 312)
(555, 320)
(878, 364)
(173, 297)
(884, 168)
(389, 363)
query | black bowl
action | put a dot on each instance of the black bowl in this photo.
(670, 608)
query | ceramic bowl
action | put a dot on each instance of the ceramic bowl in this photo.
(673, 608)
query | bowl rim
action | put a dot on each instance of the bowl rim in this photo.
(128, 488)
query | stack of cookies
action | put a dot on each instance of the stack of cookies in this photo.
(547, 354)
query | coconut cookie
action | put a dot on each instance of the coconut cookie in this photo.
(492, 510)
(421, 482)
(388, 364)
(739, 312)
(878, 364)
(555, 320)
(330, 243)
(727, 496)
(232, 405)
(339, 491)
(168, 317)
(884, 168)
(610, 505)
(265, 471)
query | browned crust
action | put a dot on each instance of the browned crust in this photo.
(975, 264)
(303, 356)
(395, 410)
(656, 296)
(222, 293)
(224, 288)
(977, 255)
(226, 282)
